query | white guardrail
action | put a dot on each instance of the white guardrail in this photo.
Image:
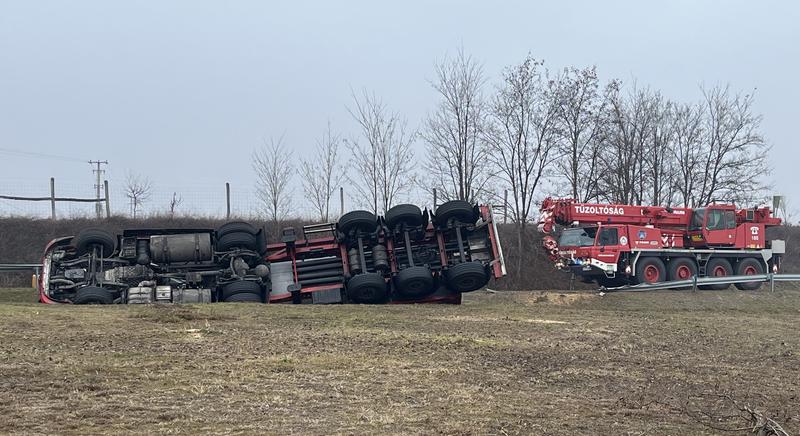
(694, 282)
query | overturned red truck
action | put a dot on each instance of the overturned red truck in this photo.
(405, 256)
(617, 245)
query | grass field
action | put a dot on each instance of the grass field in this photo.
(502, 363)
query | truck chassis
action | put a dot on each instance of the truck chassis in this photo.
(406, 256)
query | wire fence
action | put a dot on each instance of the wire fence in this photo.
(71, 199)
(216, 200)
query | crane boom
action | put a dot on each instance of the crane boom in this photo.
(568, 212)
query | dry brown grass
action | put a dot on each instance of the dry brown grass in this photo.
(503, 363)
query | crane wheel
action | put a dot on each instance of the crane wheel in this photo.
(717, 267)
(748, 267)
(650, 270)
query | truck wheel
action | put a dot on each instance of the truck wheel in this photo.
(407, 214)
(717, 267)
(233, 240)
(240, 287)
(612, 283)
(93, 295)
(682, 268)
(749, 267)
(650, 270)
(458, 210)
(358, 219)
(369, 288)
(414, 282)
(467, 277)
(90, 238)
(236, 226)
(244, 297)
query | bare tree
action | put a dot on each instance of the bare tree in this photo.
(323, 174)
(454, 132)
(176, 201)
(659, 169)
(734, 151)
(687, 151)
(272, 164)
(629, 124)
(580, 108)
(384, 161)
(522, 132)
(138, 189)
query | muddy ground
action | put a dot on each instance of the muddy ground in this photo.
(502, 363)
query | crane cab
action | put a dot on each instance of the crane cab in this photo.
(723, 226)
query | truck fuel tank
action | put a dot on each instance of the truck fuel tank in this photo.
(191, 247)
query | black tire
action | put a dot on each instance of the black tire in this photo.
(467, 277)
(244, 297)
(717, 267)
(747, 267)
(457, 210)
(236, 240)
(369, 288)
(363, 220)
(407, 214)
(239, 287)
(414, 282)
(236, 226)
(682, 268)
(93, 295)
(650, 270)
(89, 238)
(612, 283)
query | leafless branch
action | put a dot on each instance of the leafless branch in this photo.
(272, 164)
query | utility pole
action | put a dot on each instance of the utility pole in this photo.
(98, 207)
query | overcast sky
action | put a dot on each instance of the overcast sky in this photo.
(183, 91)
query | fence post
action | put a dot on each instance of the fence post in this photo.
(341, 201)
(434, 198)
(108, 205)
(53, 198)
(227, 201)
(505, 206)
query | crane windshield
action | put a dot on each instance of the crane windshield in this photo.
(698, 216)
(577, 237)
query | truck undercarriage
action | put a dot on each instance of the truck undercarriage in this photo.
(405, 256)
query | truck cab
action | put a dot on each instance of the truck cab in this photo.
(713, 226)
(720, 226)
(593, 251)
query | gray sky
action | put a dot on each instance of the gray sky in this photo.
(183, 91)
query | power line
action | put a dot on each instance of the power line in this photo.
(34, 154)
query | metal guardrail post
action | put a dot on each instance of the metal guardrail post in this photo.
(694, 283)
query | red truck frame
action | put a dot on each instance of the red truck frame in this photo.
(405, 256)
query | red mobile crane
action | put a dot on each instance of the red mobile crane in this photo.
(617, 245)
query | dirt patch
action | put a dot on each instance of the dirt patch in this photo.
(502, 363)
